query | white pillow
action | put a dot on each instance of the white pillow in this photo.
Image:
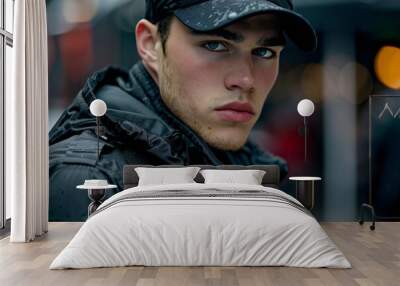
(162, 176)
(248, 177)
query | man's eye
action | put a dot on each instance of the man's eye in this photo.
(265, 53)
(214, 46)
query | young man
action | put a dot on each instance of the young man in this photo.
(206, 70)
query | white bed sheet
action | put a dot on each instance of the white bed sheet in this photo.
(200, 232)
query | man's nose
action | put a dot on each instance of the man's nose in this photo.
(240, 75)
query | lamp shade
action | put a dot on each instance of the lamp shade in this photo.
(305, 107)
(98, 107)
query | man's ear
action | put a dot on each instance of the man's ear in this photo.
(148, 45)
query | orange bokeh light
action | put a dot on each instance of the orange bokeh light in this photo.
(387, 66)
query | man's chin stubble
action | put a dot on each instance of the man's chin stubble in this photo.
(222, 143)
(225, 145)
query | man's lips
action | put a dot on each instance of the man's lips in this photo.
(235, 111)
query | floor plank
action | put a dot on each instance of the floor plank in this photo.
(374, 255)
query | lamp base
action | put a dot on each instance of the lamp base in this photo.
(96, 196)
(305, 193)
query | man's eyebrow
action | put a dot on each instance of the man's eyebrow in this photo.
(238, 38)
(223, 33)
(272, 41)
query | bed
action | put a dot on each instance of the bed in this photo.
(201, 224)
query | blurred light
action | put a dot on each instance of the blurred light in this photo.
(345, 82)
(312, 82)
(354, 82)
(79, 11)
(387, 66)
(364, 84)
(331, 74)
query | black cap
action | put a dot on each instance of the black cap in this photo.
(207, 15)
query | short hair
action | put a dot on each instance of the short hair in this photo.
(164, 27)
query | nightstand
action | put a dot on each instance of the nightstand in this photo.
(96, 191)
(305, 188)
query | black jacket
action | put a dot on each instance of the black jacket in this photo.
(138, 128)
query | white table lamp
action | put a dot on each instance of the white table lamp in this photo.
(305, 108)
(98, 108)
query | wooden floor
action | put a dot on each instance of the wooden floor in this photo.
(374, 255)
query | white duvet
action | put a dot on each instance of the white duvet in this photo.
(183, 231)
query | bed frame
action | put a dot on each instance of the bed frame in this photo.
(270, 179)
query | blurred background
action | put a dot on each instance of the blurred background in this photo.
(358, 56)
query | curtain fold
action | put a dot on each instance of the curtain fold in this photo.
(27, 124)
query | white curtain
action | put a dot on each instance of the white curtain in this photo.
(27, 124)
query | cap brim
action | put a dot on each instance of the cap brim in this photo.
(214, 14)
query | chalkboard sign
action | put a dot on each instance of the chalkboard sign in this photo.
(384, 152)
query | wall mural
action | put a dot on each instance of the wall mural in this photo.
(199, 112)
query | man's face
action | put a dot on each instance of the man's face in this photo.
(200, 74)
